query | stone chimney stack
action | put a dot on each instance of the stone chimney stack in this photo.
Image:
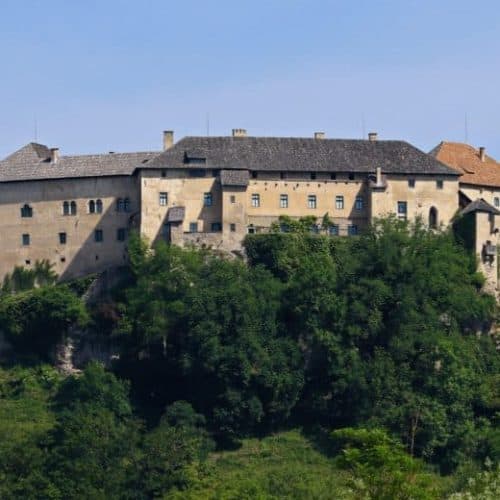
(54, 155)
(239, 132)
(482, 153)
(319, 135)
(372, 136)
(168, 139)
(378, 176)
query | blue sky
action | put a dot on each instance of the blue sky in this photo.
(110, 75)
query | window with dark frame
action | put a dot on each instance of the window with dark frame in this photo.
(72, 208)
(207, 199)
(339, 202)
(255, 200)
(283, 201)
(411, 183)
(163, 199)
(98, 236)
(62, 238)
(98, 206)
(216, 227)
(193, 227)
(91, 207)
(26, 239)
(26, 211)
(439, 184)
(352, 229)
(232, 227)
(402, 210)
(232, 198)
(359, 204)
(311, 201)
(121, 234)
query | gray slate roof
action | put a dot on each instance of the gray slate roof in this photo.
(32, 162)
(480, 205)
(301, 154)
(234, 177)
(176, 214)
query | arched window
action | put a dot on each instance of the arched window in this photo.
(433, 218)
(91, 207)
(66, 208)
(98, 206)
(119, 205)
(73, 208)
(126, 204)
(26, 211)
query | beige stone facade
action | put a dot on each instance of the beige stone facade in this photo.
(207, 191)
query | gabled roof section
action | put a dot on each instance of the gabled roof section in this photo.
(466, 160)
(480, 205)
(32, 162)
(237, 178)
(299, 154)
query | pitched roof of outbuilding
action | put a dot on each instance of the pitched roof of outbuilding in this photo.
(32, 162)
(234, 177)
(299, 154)
(480, 205)
(466, 160)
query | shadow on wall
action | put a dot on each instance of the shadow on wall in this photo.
(104, 245)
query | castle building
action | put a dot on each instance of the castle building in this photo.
(76, 211)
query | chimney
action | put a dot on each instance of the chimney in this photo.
(319, 135)
(372, 136)
(482, 153)
(379, 176)
(54, 155)
(168, 139)
(239, 132)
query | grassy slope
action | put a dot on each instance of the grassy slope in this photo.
(284, 465)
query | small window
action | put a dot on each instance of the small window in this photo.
(439, 184)
(26, 211)
(232, 198)
(255, 200)
(251, 229)
(63, 259)
(313, 176)
(193, 227)
(163, 199)
(283, 201)
(352, 229)
(402, 210)
(120, 205)
(254, 175)
(207, 200)
(497, 201)
(411, 183)
(359, 204)
(351, 176)
(163, 173)
(126, 205)
(98, 206)
(26, 240)
(66, 208)
(339, 202)
(62, 238)
(333, 176)
(72, 208)
(311, 201)
(216, 227)
(121, 234)
(334, 230)
(27, 262)
(98, 235)
(91, 207)
(232, 227)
